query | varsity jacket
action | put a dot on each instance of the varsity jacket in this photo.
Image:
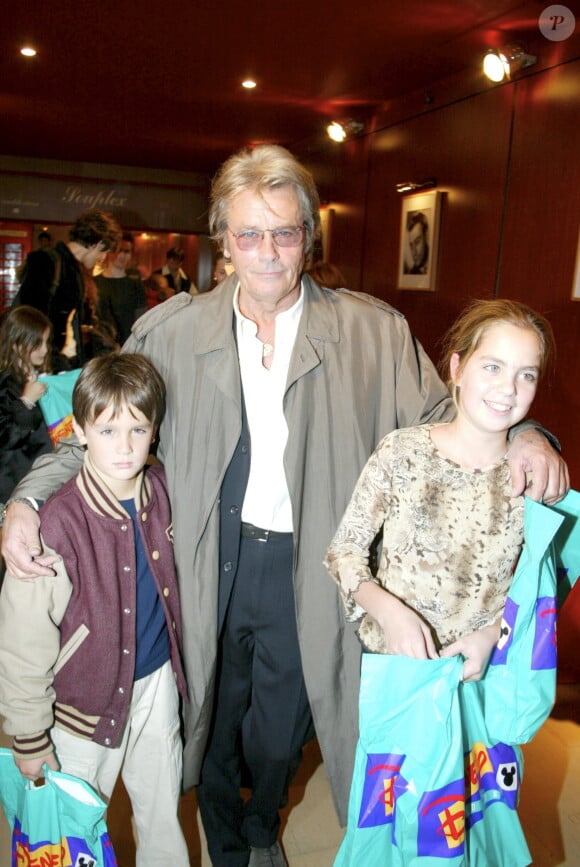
(67, 642)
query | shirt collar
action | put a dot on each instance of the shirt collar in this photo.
(287, 318)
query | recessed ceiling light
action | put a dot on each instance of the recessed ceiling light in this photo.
(249, 84)
(28, 51)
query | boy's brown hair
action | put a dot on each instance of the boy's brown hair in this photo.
(118, 379)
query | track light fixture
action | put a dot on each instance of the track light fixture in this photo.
(501, 63)
(415, 186)
(339, 130)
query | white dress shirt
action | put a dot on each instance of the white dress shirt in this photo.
(267, 501)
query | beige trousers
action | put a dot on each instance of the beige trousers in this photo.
(149, 760)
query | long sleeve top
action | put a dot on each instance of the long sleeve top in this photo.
(450, 537)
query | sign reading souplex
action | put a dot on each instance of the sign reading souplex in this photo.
(138, 205)
(99, 199)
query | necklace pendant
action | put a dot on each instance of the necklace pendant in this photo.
(267, 350)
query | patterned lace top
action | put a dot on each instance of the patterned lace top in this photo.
(451, 537)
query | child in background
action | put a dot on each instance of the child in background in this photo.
(90, 665)
(441, 496)
(24, 353)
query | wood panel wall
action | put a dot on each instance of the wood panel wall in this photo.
(508, 162)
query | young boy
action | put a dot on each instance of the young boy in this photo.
(90, 667)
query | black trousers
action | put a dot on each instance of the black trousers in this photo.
(261, 716)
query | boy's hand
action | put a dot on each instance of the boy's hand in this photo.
(32, 768)
(21, 545)
(477, 648)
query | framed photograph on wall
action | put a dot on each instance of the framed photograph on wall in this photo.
(419, 241)
(576, 283)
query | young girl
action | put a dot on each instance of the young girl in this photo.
(441, 494)
(24, 353)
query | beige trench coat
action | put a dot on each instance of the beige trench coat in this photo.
(355, 374)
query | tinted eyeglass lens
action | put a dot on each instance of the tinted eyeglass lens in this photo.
(286, 237)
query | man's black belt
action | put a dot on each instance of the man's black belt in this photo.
(258, 534)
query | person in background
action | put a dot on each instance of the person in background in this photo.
(97, 691)
(24, 353)
(327, 275)
(280, 391)
(219, 271)
(176, 276)
(157, 289)
(44, 240)
(61, 285)
(441, 497)
(121, 299)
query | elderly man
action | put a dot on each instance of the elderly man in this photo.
(277, 392)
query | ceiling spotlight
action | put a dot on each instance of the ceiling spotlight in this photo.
(500, 63)
(340, 130)
(249, 84)
(28, 51)
(414, 186)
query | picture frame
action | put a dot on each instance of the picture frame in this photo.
(576, 283)
(419, 241)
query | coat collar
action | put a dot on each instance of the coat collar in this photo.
(100, 498)
(319, 318)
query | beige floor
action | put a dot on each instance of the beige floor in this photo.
(550, 804)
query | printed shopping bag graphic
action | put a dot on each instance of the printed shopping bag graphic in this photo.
(382, 775)
(56, 404)
(441, 821)
(58, 824)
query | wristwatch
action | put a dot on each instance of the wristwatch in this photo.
(4, 507)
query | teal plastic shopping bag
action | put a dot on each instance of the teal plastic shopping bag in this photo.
(58, 824)
(521, 679)
(438, 766)
(430, 787)
(56, 404)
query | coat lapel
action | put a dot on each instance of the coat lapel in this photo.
(319, 325)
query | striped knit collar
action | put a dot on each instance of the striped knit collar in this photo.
(100, 498)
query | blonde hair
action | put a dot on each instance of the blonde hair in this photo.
(261, 168)
(466, 333)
